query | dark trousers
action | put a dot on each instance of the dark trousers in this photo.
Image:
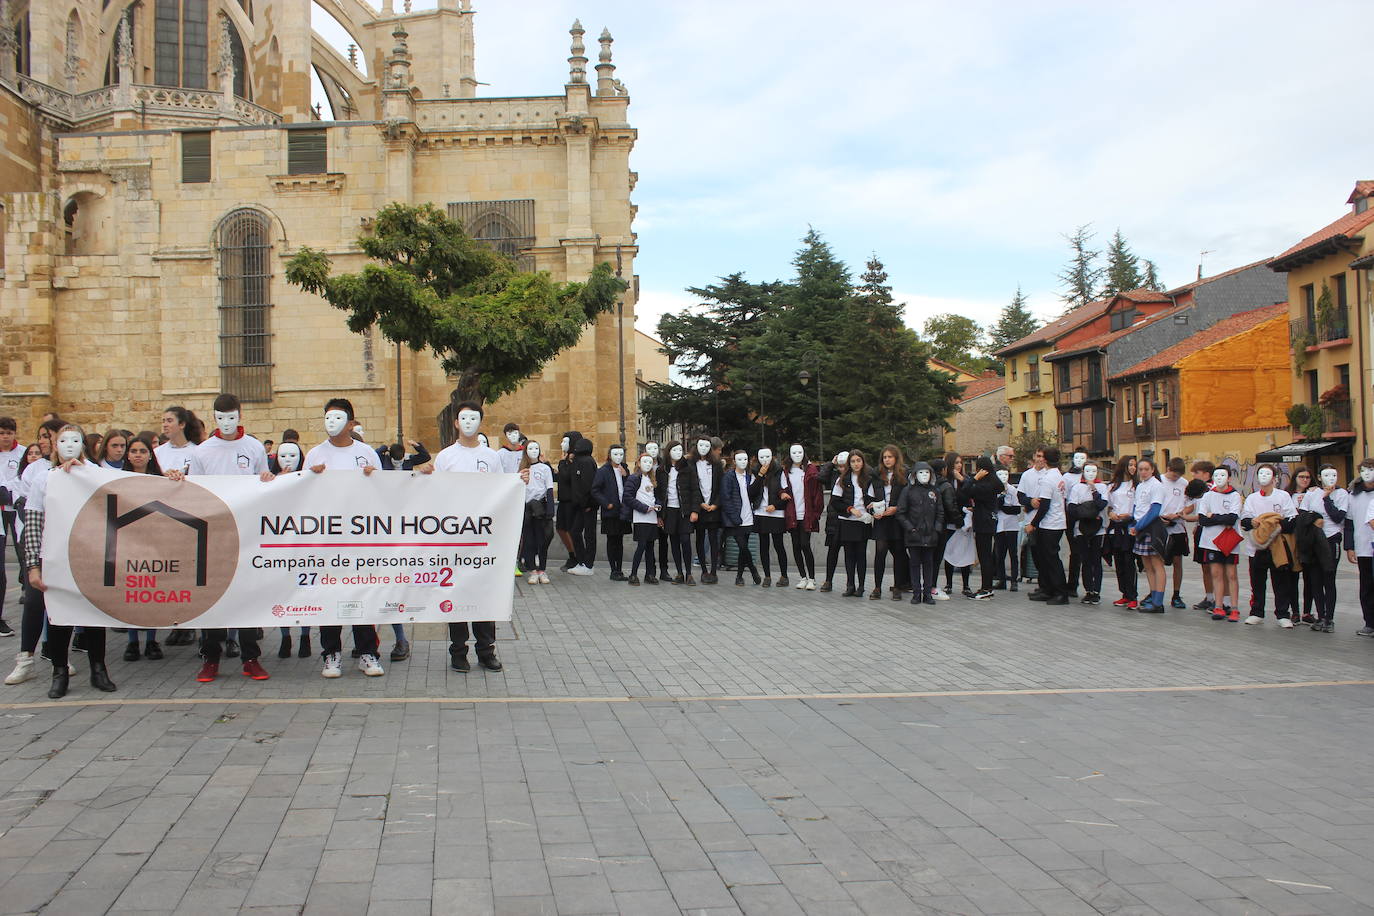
(682, 552)
(1028, 568)
(1326, 582)
(212, 643)
(940, 553)
(534, 543)
(483, 637)
(801, 552)
(708, 548)
(60, 643)
(31, 624)
(921, 562)
(1285, 586)
(900, 573)
(1090, 561)
(364, 639)
(983, 541)
(9, 517)
(583, 534)
(662, 552)
(644, 550)
(1008, 559)
(775, 541)
(855, 563)
(832, 557)
(745, 559)
(615, 552)
(4, 578)
(1052, 581)
(1075, 564)
(1366, 565)
(1123, 561)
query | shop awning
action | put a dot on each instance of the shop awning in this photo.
(1303, 449)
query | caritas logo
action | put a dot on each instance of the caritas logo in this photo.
(278, 610)
(446, 606)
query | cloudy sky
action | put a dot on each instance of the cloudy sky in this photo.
(961, 141)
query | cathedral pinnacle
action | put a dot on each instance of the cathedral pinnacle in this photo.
(577, 63)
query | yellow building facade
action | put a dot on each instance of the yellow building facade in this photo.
(156, 182)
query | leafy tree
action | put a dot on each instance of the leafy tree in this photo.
(956, 339)
(1015, 322)
(1151, 278)
(1081, 276)
(1123, 268)
(1026, 444)
(434, 287)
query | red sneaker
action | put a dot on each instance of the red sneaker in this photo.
(208, 672)
(1133, 604)
(1121, 602)
(1234, 616)
(254, 670)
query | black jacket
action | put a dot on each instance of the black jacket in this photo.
(775, 482)
(840, 505)
(689, 499)
(921, 513)
(949, 500)
(708, 494)
(582, 474)
(984, 495)
(606, 491)
(888, 529)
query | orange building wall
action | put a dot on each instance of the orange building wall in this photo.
(1244, 382)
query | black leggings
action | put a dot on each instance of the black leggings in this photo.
(940, 549)
(644, 550)
(31, 624)
(534, 543)
(60, 643)
(983, 541)
(921, 561)
(1004, 546)
(1123, 560)
(708, 538)
(1090, 561)
(801, 552)
(682, 552)
(900, 573)
(745, 560)
(583, 532)
(776, 540)
(1326, 583)
(1366, 565)
(615, 552)
(855, 563)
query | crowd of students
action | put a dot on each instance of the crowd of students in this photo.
(691, 499)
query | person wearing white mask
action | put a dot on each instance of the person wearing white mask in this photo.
(539, 510)
(641, 505)
(653, 450)
(1359, 540)
(1330, 503)
(829, 479)
(511, 451)
(1007, 557)
(708, 475)
(70, 451)
(567, 508)
(608, 490)
(289, 459)
(1267, 514)
(1175, 499)
(1087, 508)
(805, 510)
(1218, 516)
(921, 515)
(1071, 479)
(737, 514)
(770, 494)
(677, 498)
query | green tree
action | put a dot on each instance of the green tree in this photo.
(432, 287)
(1025, 445)
(956, 339)
(1123, 268)
(1151, 279)
(1015, 322)
(1081, 277)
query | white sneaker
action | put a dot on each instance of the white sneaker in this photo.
(533, 578)
(801, 583)
(369, 665)
(543, 578)
(1284, 623)
(1252, 620)
(332, 668)
(810, 585)
(939, 595)
(23, 669)
(579, 570)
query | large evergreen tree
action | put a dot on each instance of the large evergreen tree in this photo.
(1123, 268)
(956, 339)
(1015, 322)
(1151, 279)
(1081, 277)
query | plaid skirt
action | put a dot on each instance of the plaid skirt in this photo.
(1153, 541)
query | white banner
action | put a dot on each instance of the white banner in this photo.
(305, 549)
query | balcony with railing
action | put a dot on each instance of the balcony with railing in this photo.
(1317, 332)
(98, 108)
(1337, 417)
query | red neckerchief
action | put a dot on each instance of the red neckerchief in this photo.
(237, 436)
(1229, 489)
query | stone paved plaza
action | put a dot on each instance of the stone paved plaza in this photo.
(718, 750)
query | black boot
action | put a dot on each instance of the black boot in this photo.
(58, 690)
(132, 653)
(304, 650)
(100, 678)
(285, 650)
(231, 648)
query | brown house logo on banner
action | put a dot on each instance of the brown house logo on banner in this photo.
(153, 553)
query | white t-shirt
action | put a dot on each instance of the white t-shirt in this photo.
(352, 457)
(674, 498)
(704, 472)
(10, 463)
(510, 459)
(36, 484)
(1048, 487)
(174, 457)
(746, 511)
(797, 479)
(1005, 521)
(479, 459)
(1174, 498)
(1083, 492)
(1147, 493)
(645, 495)
(244, 455)
(32, 473)
(1314, 500)
(1215, 502)
(1121, 500)
(1361, 511)
(770, 499)
(541, 481)
(1257, 504)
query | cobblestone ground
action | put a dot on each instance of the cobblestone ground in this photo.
(718, 750)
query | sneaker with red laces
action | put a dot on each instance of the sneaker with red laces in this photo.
(1121, 602)
(208, 672)
(1133, 605)
(255, 670)
(1234, 616)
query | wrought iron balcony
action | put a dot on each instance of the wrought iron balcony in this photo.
(1310, 332)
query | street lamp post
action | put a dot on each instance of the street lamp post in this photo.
(804, 377)
(620, 342)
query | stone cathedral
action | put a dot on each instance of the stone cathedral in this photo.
(162, 161)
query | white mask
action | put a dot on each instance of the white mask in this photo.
(1264, 477)
(468, 422)
(334, 422)
(1328, 477)
(227, 421)
(1367, 475)
(564, 448)
(1221, 477)
(289, 457)
(513, 437)
(617, 456)
(1004, 475)
(675, 453)
(1089, 473)
(797, 453)
(742, 462)
(70, 444)
(703, 447)
(482, 440)
(533, 451)
(842, 459)
(361, 435)
(646, 464)
(765, 456)
(923, 477)
(1080, 459)
(652, 450)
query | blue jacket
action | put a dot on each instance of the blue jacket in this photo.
(604, 491)
(632, 504)
(731, 503)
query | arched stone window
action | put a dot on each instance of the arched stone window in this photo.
(245, 305)
(181, 43)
